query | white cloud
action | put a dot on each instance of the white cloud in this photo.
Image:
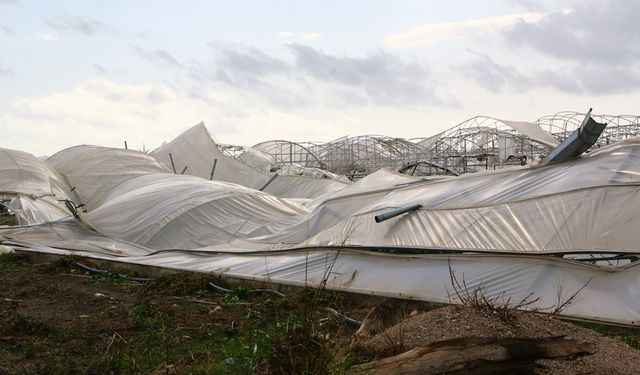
(102, 112)
(288, 36)
(311, 36)
(589, 49)
(5, 70)
(97, 111)
(76, 25)
(439, 32)
(7, 31)
(285, 35)
(591, 32)
(49, 36)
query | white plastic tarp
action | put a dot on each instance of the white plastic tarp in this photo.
(165, 211)
(588, 205)
(23, 173)
(94, 171)
(604, 294)
(558, 208)
(196, 150)
(532, 131)
(34, 190)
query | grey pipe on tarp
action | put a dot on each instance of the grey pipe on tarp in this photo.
(398, 211)
(213, 169)
(172, 163)
(268, 182)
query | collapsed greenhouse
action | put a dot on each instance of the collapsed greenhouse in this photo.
(546, 209)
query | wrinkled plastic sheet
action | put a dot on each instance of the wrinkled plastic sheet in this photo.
(532, 131)
(69, 235)
(196, 150)
(23, 173)
(179, 211)
(587, 205)
(602, 294)
(94, 171)
(29, 210)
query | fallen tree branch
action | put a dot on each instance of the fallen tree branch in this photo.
(477, 355)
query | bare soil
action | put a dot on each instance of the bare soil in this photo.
(611, 356)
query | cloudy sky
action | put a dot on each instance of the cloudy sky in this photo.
(101, 72)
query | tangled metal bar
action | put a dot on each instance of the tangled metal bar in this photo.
(579, 141)
(619, 128)
(479, 143)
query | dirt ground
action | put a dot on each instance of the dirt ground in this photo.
(57, 318)
(611, 356)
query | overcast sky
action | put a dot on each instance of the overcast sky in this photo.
(101, 72)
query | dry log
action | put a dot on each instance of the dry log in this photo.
(477, 355)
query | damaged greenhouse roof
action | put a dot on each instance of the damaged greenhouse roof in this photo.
(508, 230)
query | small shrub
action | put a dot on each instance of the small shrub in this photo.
(236, 295)
(144, 315)
(108, 277)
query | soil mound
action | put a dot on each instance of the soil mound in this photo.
(611, 356)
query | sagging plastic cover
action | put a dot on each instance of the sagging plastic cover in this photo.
(196, 151)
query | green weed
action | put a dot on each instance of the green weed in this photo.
(60, 265)
(179, 284)
(107, 277)
(12, 262)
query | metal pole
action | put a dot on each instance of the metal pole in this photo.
(399, 211)
(268, 182)
(172, 163)
(213, 169)
(184, 170)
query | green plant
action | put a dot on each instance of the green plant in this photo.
(630, 336)
(11, 262)
(236, 295)
(65, 263)
(108, 277)
(144, 314)
(631, 340)
(179, 284)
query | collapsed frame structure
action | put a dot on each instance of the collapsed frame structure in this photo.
(480, 143)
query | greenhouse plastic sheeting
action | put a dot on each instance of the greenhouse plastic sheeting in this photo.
(94, 171)
(196, 150)
(548, 209)
(23, 173)
(135, 206)
(604, 294)
(177, 211)
(585, 205)
(29, 210)
(35, 191)
(532, 131)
